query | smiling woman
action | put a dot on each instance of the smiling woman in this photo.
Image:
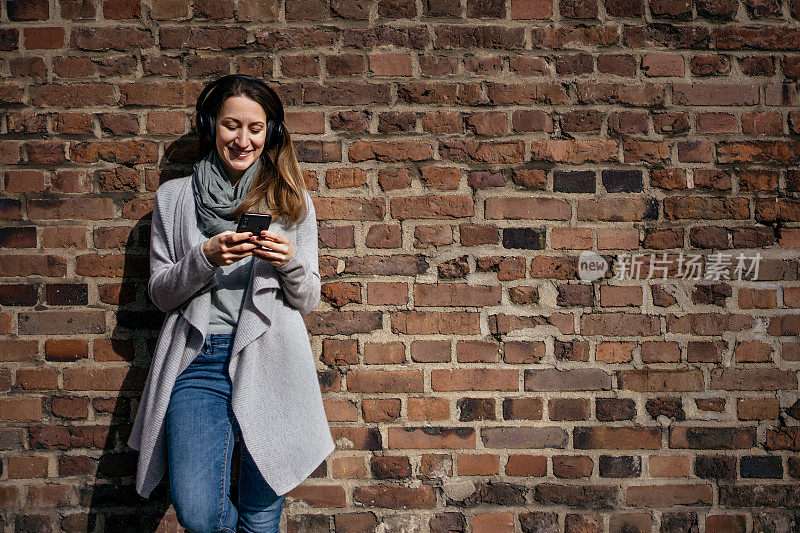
(233, 359)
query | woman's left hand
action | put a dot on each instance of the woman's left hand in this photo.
(273, 247)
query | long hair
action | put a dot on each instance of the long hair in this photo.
(279, 187)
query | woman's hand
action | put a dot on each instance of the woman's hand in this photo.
(273, 248)
(228, 247)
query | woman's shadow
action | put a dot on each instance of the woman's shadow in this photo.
(114, 505)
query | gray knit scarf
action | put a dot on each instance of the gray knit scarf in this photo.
(215, 198)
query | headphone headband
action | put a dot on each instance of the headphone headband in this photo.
(206, 122)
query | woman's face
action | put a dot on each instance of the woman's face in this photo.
(241, 132)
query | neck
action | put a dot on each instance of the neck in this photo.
(234, 178)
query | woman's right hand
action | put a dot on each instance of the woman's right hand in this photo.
(228, 247)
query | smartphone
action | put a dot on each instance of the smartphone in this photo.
(255, 222)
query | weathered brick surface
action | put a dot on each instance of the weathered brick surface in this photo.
(461, 156)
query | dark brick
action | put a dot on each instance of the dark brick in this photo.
(576, 181)
(454, 268)
(471, 409)
(18, 294)
(714, 294)
(525, 238)
(620, 466)
(391, 467)
(761, 466)
(669, 407)
(709, 237)
(18, 237)
(715, 467)
(570, 295)
(610, 409)
(538, 522)
(67, 293)
(622, 180)
(679, 522)
(448, 522)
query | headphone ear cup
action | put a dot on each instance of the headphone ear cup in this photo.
(205, 120)
(211, 128)
(274, 134)
(278, 135)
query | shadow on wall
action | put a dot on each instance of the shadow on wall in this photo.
(114, 505)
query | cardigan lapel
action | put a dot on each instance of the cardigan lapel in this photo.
(260, 298)
(198, 309)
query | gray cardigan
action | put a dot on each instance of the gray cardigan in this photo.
(275, 395)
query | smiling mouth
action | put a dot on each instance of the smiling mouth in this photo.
(239, 154)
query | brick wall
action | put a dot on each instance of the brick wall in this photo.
(462, 154)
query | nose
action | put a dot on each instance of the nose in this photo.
(241, 138)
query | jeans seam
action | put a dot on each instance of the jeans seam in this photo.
(224, 468)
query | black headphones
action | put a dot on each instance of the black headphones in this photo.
(206, 120)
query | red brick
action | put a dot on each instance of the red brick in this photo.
(348, 209)
(27, 467)
(36, 379)
(430, 351)
(18, 408)
(384, 410)
(477, 465)
(348, 467)
(668, 495)
(422, 438)
(395, 497)
(455, 294)
(474, 379)
(527, 208)
(443, 179)
(432, 235)
(657, 65)
(431, 207)
(493, 523)
(342, 178)
(432, 323)
(17, 350)
(531, 9)
(339, 352)
(389, 293)
(574, 152)
(383, 236)
(762, 123)
(717, 123)
(477, 351)
(526, 465)
(384, 381)
(715, 94)
(390, 151)
(319, 495)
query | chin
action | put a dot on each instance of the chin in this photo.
(240, 164)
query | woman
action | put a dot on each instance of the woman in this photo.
(233, 357)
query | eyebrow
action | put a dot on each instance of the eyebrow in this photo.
(258, 123)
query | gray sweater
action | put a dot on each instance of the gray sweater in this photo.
(275, 394)
(227, 297)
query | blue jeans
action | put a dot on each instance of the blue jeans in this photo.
(200, 432)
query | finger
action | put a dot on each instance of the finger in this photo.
(272, 236)
(271, 245)
(246, 246)
(233, 238)
(270, 256)
(233, 258)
